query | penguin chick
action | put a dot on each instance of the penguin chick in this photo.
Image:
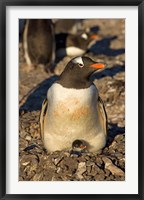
(73, 109)
(78, 147)
(39, 43)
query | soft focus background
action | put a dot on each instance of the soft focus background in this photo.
(34, 162)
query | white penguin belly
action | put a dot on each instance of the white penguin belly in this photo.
(71, 115)
(70, 51)
(74, 51)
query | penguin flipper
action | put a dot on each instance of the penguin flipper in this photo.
(102, 114)
(42, 116)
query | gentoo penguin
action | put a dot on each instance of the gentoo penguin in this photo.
(73, 109)
(73, 45)
(39, 43)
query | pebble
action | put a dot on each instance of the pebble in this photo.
(28, 138)
(81, 169)
(99, 177)
(58, 160)
(112, 168)
(38, 177)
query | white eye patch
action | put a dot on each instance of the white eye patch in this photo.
(84, 35)
(78, 61)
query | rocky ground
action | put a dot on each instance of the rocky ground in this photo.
(35, 163)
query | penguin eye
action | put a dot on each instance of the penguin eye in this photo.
(80, 65)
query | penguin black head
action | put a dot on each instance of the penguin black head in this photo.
(78, 71)
(78, 145)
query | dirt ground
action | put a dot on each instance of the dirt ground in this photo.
(35, 163)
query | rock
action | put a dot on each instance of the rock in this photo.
(28, 138)
(92, 170)
(90, 163)
(49, 173)
(70, 164)
(59, 170)
(56, 178)
(119, 138)
(99, 161)
(38, 177)
(80, 170)
(22, 144)
(107, 172)
(99, 177)
(58, 160)
(112, 168)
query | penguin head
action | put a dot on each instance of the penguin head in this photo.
(84, 65)
(78, 145)
(78, 71)
(88, 36)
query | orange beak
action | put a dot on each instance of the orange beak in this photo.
(93, 37)
(83, 147)
(98, 65)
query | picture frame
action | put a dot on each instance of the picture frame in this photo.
(3, 99)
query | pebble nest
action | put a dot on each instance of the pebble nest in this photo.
(35, 163)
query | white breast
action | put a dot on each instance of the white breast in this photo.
(71, 115)
(71, 98)
(71, 110)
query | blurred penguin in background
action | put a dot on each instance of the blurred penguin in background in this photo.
(72, 39)
(73, 45)
(39, 44)
(72, 26)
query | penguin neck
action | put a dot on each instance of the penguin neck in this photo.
(76, 82)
